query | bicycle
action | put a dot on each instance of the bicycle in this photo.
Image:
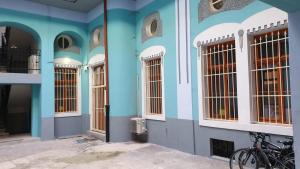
(264, 154)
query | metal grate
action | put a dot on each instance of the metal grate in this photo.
(153, 86)
(65, 90)
(220, 93)
(99, 86)
(271, 94)
(222, 148)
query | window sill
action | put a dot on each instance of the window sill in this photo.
(235, 125)
(155, 117)
(58, 115)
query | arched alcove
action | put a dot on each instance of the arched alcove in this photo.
(20, 46)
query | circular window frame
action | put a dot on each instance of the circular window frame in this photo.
(68, 38)
(213, 5)
(149, 28)
(96, 36)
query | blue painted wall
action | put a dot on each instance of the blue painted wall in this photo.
(45, 30)
(233, 16)
(166, 8)
(122, 62)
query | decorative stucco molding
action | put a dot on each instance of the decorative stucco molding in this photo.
(67, 63)
(153, 52)
(147, 24)
(96, 60)
(206, 11)
(267, 20)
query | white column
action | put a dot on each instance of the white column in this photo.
(184, 90)
(243, 79)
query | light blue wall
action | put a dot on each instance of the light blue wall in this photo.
(233, 16)
(45, 29)
(97, 22)
(166, 8)
(122, 62)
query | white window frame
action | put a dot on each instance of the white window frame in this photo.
(70, 63)
(148, 54)
(93, 62)
(240, 32)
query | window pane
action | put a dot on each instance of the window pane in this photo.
(220, 94)
(270, 78)
(153, 87)
(65, 90)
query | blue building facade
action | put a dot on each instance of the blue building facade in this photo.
(168, 63)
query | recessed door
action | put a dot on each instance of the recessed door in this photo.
(98, 92)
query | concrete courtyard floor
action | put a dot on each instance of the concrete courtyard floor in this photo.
(86, 153)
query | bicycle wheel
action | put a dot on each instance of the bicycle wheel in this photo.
(234, 159)
(289, 163)
(248, 160)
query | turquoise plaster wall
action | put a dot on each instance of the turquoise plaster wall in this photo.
(45, 29)
(233, 16)
(122, 62)
(166, 8)
(98, 22)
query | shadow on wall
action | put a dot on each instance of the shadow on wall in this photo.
(19, 109)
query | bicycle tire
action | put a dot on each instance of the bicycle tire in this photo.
(249, 159)
(232, 160)
(289, 163)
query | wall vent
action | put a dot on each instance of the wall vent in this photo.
(221, 148)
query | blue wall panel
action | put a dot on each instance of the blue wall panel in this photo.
(233, 16)
(166, 9)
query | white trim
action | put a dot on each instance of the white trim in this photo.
(275, 19)
(71, 63)
(96, 60)
(93, 62)
(183, 60)
(71, 114)
(263, 128)
(266, 19)
(151, 53)
(65, 61)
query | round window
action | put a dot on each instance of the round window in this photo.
(64, 42)
(152, 27)
(216, 4)
(97, 36)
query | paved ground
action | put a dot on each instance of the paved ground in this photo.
(81, 153)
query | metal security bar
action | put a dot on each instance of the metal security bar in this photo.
(19, 60)
(99, 93)
(65, 90)
(153, 86)
(220, 92)
(271, 92)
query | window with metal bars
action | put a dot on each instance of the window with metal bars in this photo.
(99, 92)
(271, 92)
(66, 90)
(153, 87)
(220, 91)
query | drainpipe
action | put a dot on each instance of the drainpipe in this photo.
(107, 106)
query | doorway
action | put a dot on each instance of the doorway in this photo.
(99, 101)
(15, 110)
